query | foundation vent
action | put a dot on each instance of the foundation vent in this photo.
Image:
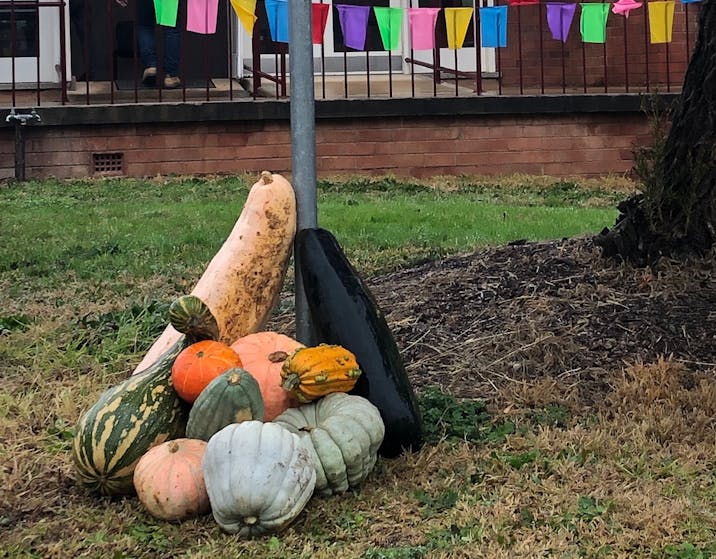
(108, 163)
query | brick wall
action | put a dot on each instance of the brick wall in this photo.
(590, 144)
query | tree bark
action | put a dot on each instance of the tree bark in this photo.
(676, 215)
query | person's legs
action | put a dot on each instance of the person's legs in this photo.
(172, 50)
(146, 39)
(80, 16)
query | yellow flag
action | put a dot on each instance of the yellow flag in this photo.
(661, 21)
(245, 10)
(457, 20)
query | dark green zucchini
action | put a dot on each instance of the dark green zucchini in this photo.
(344, 312)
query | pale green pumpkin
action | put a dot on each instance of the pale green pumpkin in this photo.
(342, 433)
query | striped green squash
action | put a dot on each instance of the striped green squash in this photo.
(124, 423)
(191, 316)
(232, 397)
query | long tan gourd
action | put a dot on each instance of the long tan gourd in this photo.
(243, 281)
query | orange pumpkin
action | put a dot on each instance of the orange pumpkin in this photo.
(262, 355)
(200, 363)
(169, 480)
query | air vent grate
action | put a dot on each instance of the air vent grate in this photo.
(108, 163)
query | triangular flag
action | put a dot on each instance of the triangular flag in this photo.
(422, 27)
(166, 12)
(277, 14)
(354, 22)
(457, 20)
(559, 19)
(593, 23)
(245, 11)
(319, 17)
(390, 20)
(493, 26)
(661, 20)
(623, 7)
(201, 16)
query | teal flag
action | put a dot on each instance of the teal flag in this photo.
(166, 12)
(390, 20)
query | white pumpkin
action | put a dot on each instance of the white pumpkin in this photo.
(343, 433)
(259, 477)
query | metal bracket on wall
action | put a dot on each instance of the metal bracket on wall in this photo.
(20, 120)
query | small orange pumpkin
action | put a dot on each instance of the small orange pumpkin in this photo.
(262, 355)
(200, 363)
(169, 480)
(311, 372)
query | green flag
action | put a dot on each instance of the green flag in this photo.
(593, 23)
(390, 21)
(166, 12)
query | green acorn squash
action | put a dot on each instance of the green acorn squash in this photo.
(126, 421)
(232, 397)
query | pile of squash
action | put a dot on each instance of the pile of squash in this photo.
(222, 415)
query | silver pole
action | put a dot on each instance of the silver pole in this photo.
(303, 142)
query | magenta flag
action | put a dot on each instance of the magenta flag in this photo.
(354, 23)
(201, 16)
(422, 27)
(319, 17)
(559, 19)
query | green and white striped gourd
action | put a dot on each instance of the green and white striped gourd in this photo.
(232, 397)
(126, 421)
(191, 316)
(342, 433)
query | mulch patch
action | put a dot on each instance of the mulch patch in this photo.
(477, 323)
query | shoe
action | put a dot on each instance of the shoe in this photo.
(149, 77)
(171, 82)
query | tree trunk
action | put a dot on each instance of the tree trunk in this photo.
(676, 215)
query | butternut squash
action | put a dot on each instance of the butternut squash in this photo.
(243, 281)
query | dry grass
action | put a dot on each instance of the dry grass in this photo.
(627, 478)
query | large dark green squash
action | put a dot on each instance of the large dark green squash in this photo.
(232, 397)
(126, 421)
(344, 312)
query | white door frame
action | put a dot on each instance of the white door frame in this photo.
(26, 67)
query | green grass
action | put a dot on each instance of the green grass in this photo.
(92, 230)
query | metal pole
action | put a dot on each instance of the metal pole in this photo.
(303, 143)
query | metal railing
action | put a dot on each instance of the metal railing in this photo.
(94, 58)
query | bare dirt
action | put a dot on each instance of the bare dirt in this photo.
(475, 323)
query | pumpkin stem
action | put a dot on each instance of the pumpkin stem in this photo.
(250, 520)
(291, 382)
(173, 447)
(277, 356)
(266, 177)
(234, 378)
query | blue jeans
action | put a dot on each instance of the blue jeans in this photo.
(146, 27)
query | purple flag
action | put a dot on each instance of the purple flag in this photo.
(354, 22)
(559, 19)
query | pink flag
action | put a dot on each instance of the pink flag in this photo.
(201, 16)
(422, 27)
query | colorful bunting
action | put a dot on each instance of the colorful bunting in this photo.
(277, 13)
(201, 16)
(661, 20)
(559, 19)
(523, 2)
(166, 12)
(245, 11)
(390, 20)
(354, 22)
(457, 20)
(493, 26)
(593, 23)
(319, 17)
(422, 27)
(623, 7)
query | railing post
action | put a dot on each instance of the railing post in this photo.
(303, 143)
